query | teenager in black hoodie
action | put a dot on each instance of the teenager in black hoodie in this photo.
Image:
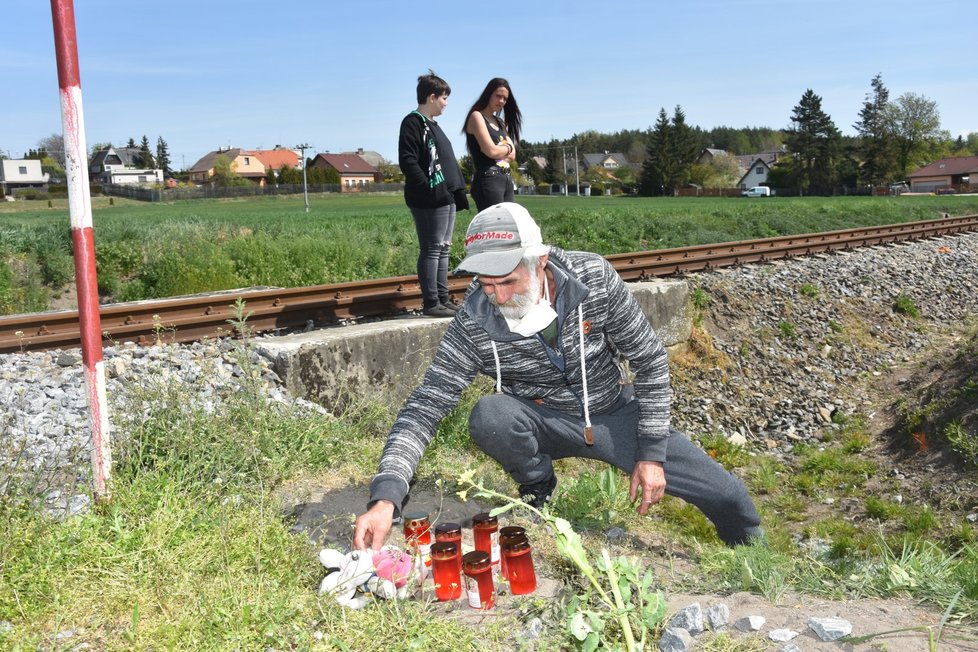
(433, 189)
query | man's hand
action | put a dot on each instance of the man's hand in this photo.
(650, 477)
(373, 525)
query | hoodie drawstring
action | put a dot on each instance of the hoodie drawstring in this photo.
(588, 432)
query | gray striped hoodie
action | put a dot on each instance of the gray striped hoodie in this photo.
(613, 326)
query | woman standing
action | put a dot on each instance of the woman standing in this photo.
(433, 190)
(492, 131)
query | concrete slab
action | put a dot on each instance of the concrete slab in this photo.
(387, 359)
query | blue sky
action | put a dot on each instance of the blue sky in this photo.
(254, 74)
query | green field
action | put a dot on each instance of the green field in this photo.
(159, 250)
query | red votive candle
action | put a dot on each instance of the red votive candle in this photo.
(444, 567)
(479, 587)
(519, 562)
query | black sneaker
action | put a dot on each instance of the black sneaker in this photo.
(451, 306)
(537, 495)
(438, 311)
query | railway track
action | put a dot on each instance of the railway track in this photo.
(190, 318)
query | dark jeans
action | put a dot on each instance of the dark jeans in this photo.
(490, 190)
(525, 438)
(434, 227)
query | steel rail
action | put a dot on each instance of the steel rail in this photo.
(190, 318)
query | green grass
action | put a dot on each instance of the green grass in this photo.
(167, 249)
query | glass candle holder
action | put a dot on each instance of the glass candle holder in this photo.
(485, 532)
(479, 587)
(519, 562)
(506, 533)
(451, 532)
(445, 571)
(417, 535)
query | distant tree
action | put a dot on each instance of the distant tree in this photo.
(468, 168)
(656, 170)
(131, 144)
(554, 170)
(972, 143)
(224, 172)
(53, 147)
(534, 171)
(322, 175)
(878, 145)
(916, 124)
(97, 147)
(814, 140)
(292, 176)
(684, 148)
(389, 172)
(145, 159)
(163, 157)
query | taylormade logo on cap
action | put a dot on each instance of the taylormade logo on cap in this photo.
(497, 239)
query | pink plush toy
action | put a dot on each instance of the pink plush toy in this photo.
(354, 577)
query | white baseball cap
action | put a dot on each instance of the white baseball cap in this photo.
(498, 238)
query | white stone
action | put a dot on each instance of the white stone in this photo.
(689, 618)
(718, 616)
(782, 635)
(830, 629)
(750, 623)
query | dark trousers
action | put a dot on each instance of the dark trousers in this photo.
(489, 191)
(434, 227)
(525, 438)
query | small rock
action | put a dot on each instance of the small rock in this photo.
(830, 629)
(737, 439)
(972, 517)
(718, 616)
(750, 623)
(68, 359)
(615, 534)
(782, 635)
(790, 647)
(675, 639)
(689, 618)
(533, 628)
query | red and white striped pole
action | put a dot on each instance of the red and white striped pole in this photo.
(80, 209)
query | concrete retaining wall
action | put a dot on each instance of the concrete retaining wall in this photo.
(387, 359)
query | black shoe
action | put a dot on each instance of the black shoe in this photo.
(438, 311)
(537, 495)
(451, 306)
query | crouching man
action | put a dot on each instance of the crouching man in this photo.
(549, 327)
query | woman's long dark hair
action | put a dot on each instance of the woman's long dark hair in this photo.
(511, 112)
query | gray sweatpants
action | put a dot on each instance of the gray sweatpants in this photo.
(525, 438)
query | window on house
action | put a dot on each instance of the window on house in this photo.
(247, 160)
(759, 169)
(142, 178)
(22, 169)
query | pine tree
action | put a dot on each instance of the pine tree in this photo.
(145, 156)
(874, 127)
(814, 140)
(163, 157)
(685, 148)
(655, 169)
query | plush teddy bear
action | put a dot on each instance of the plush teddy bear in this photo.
(352, 578)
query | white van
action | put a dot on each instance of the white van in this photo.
(757, 191)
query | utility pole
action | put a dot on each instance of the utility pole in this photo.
(305, 186)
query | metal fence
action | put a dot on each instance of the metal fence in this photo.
(141, 193)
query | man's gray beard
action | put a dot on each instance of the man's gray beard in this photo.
(520, 304)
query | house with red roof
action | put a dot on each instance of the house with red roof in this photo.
(245, 164)
(354, 171)
(278, 158)
(957, 173)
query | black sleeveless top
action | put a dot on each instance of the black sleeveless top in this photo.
(496, 132)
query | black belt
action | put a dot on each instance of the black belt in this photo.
(496, 170)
